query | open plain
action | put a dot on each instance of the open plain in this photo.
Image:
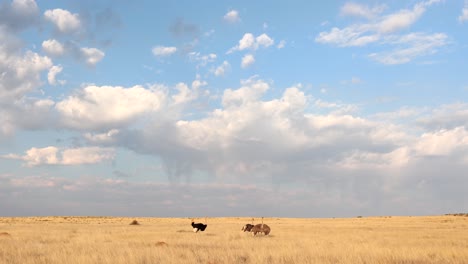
(80, 240)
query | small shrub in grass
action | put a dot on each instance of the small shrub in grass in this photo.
(134, 222)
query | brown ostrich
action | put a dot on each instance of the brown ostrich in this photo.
(260, 228)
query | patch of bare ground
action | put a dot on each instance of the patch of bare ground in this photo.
(4, 234)
(161, 244)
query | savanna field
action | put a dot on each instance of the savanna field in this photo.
(37, 240)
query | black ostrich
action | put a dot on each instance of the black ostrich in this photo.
(198, 227)
(247, 227)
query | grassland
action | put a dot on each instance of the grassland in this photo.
(73, 240)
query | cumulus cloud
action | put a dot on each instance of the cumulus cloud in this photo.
(26, 114)
(250, 91)
(102, 138)
(98, 107)
(464, 15)
(54, 156)
(92, 55)
(51, 76)
(282, 140)
(163, 51)
(383, 30)
(250, 42)
(198, 83)
(281, 44)
(232, 16)
(63, 20)
(247, 60)
(264, 40)
(247, 41)
(20, 72)
(53, 47)
(254, 136)
(185, 94)
(222, 69)
(447, 116)
(19, 15)
(444, 143)
(273, 142)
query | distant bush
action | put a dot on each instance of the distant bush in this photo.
(459, 214)
(134, 222)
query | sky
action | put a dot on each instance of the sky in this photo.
(233, 108)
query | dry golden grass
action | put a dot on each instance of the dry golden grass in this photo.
(73, 240)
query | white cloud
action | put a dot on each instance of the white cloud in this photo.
(162, 51)
(354, 35)
(20, 72)
(51, 76)
(64, 21)
(247, 60)
(442, 142)
(249, 41)
(197, 84)
(202, 60)
(232, 16)
(401, 114)
(55, 156)
(464, 15)
(24, 6)
(365, 33)
(264, 40)
(97, 107)
(222, 69)
(282, 139)
(445, 116)
(401, 20)
(92, 55)
(251, 90)
(281, 44)
(410, 46)
(26, 114)
(382, 30)
(86, 155)
(359, 10)
(37, 156)
(19, 15)
(53, 47)
(186, 94)
(102, 138)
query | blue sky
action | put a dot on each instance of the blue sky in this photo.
(233, 108)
